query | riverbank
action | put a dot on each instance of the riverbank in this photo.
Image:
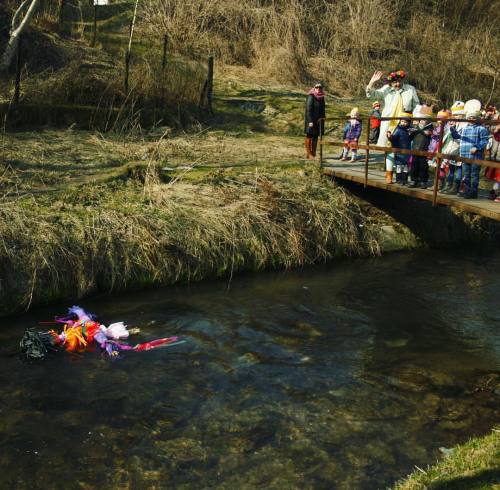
(474, 465)
(142, 224)
(85, 213)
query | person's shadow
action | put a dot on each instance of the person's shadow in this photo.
(473, 482)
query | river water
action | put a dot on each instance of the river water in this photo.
(342, 376)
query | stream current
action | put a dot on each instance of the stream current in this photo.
(341, 376)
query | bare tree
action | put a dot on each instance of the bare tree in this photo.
(20, 21)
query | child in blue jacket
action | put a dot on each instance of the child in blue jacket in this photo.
(473, 140)
(352, 132)
(401, 139)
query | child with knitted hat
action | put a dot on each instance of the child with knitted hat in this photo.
(352, 132)
(451, 147)
(420, 139)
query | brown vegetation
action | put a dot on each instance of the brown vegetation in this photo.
(450, 48)
(111, 237)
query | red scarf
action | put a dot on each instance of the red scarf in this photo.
(320, 95)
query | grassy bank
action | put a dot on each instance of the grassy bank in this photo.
(83, 213)
(122, 234)
(474, 465)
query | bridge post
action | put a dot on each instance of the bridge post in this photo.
(438, 166)
(367, 156)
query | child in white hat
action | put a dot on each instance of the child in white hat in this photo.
(352, 132)
(451, 147)
(420, 136)
(473, 140)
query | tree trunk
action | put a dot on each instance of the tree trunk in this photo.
(16, 32)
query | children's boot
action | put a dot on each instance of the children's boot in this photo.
(354, 156)
(345, 152)
(453, 188)
(446, 188)
(399, 174)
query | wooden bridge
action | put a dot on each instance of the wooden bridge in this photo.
(368, 172)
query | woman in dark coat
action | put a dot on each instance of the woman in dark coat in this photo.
(314, 117)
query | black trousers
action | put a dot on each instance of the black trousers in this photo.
(374, 134)
(420, 169)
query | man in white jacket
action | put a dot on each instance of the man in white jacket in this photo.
(398, 97)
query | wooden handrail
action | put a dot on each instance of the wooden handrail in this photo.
(444, 156)
(488, 122)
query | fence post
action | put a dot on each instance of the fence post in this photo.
(94, 36)
(367, 156)
(61, 12)
(128, 55)
(164, 59)
(438, 165)
(210, 83)
(17, 89)
(321, 132)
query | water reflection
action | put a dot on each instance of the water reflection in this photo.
(340, 377)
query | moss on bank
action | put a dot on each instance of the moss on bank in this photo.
(474, 465)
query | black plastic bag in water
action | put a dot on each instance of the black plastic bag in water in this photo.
(36, 345)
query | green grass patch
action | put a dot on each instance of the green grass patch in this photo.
(474, 465)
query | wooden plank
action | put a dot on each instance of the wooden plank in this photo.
(356, 173)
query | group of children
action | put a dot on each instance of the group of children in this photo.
(415, 132)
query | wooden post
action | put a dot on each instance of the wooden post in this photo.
(128, 54)
(17, 89)
(61, 12)
(210, 83)
(94, 36)
(321, 132)
(438, 165)
(127, 71)
(165, 44)
(367, 156)
(203, 95)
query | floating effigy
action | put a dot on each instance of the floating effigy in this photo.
(80, 333)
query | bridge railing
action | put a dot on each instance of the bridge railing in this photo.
(388, 149)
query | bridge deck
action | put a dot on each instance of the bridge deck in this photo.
(355, 172)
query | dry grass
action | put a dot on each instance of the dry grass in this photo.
(112, 237)
(449, 48)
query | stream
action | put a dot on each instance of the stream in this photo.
(342, 376)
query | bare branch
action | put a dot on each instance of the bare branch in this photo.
(17, 14)
(11, 47)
